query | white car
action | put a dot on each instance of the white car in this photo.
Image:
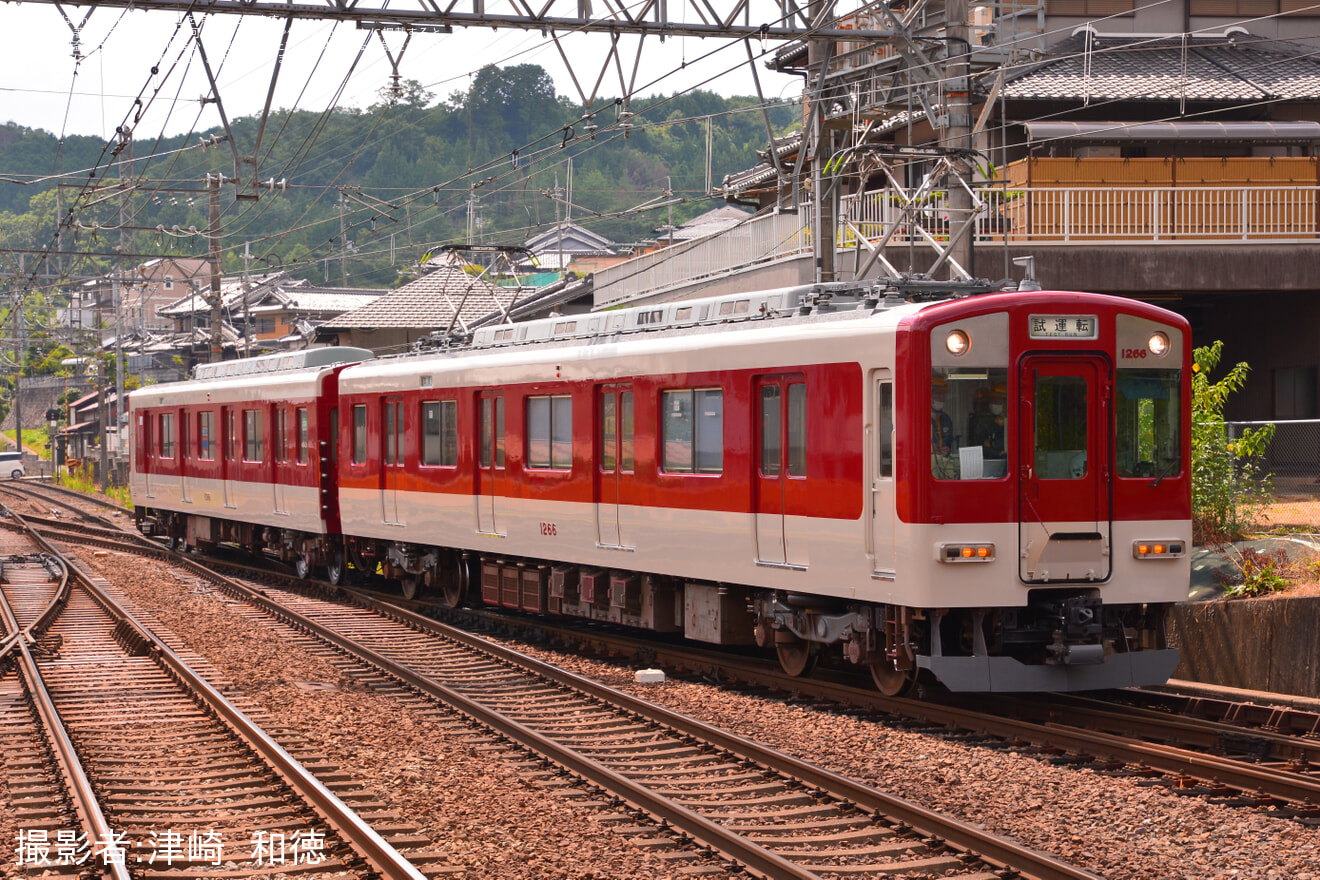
(12, 463)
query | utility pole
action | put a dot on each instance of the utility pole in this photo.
(247, 289)
(343, 246)
(958, 132)
(819, 50)
(18, 375)
(213, 182)
(126, 216)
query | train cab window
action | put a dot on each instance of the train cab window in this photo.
(253, 449)
(167, 435)
(969, 427)
(359, 434)
(1148, 430)
(550, 432)
(205, 433)
(693, 431)
(440, 433)
(302, 435)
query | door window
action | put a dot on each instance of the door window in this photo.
(1062, 420)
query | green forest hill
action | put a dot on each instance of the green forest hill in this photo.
(412, 166)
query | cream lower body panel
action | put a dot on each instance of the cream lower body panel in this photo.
(827, 556)
(296, 507)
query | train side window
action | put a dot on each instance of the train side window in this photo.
(550, 432)
(626, 432)
(390, 436)
(359, 433)
(797, 429)
(693, 431)
(770, 430)
(166, 435)
(886, 434)
(302, 435)
(253, 448)
(609, 427)
(440, 433)
(205, 429)
(280, 434)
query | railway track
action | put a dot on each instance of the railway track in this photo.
(158, 772)
(688, 785)
(1240, 757)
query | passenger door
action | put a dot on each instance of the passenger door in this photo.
(781, 471)
(392, 458)
(228, 455)
(185, 494)
(614, 459)
(147, 451)
(1064, 479)
(490, 460)
(882, 476)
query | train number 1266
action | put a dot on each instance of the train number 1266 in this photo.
(549, 529)
(1134, 352)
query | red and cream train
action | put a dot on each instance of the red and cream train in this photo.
(993, 488)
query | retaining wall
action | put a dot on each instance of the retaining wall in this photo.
(1269, 644)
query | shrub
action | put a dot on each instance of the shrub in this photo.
(1230, 487)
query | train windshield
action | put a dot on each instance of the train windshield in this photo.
(969, 429)
(1148, 411)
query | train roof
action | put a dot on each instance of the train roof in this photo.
(284, 376)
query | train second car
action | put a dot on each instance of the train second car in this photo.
(993, 490)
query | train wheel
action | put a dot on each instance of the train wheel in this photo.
(412, 585)
(335, 568)
(301, 567)
(797, 657)
(890, 681)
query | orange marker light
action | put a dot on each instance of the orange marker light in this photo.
(1143, 549)
(1159, 548)
(983, 552)
(967, 552)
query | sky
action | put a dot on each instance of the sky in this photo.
(42, 86)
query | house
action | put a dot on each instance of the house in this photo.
(261, 313)
(446, 298)
(569, 245)
(157, 283)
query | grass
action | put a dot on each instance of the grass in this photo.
(81, 481)
(36, 439)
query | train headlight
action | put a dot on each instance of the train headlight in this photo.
(966, 552)
(1158, 549)
(957, 342)
(1158, 344)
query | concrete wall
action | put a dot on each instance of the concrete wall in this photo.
(1270, 644)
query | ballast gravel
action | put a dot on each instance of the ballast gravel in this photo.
(491, 822)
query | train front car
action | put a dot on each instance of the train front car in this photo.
(243, 454)
(1042, 504)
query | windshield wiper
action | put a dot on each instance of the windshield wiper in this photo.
(1167, 470)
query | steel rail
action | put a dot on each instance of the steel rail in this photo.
(352, 828)
(733, 846)
(988, 847)
(96, 829)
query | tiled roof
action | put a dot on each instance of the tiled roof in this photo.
(429, 303)
(1222, 70)
(576, 239)
(316, 300)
